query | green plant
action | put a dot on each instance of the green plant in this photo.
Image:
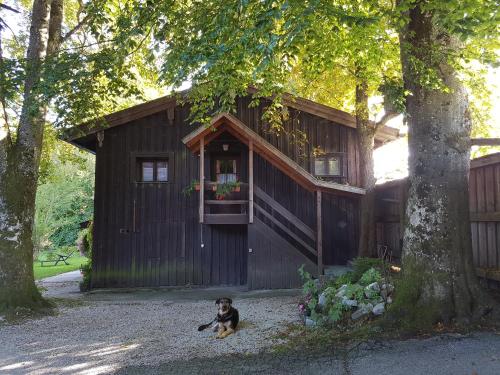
(226, 188)
(370, 276)
(361, 265)
(86, 270)
(191, 188)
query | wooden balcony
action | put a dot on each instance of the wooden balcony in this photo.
(231, 211)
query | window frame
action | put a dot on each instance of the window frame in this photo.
(136, 170)
(326, 156)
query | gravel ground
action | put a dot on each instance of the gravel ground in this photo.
(106, 333)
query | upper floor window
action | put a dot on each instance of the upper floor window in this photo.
(225, 169)
(328, 165)
(153, 170)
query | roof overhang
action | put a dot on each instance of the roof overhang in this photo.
(227, 122)
(83, 135)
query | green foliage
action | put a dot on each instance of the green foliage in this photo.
(191, 188)
(369, 277)
(361, 265)
(63, 201)
(334, 311)
(225, 188)
(86, 270)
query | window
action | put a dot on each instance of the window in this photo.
(153, 170)
(328, 165)
(225, 170)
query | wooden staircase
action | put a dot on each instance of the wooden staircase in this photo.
(285, 224)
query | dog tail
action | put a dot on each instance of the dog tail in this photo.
(204, 326)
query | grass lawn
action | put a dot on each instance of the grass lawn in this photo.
(49, 269)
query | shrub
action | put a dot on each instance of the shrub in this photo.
(86, 270)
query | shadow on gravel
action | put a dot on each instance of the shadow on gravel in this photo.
(266, 363)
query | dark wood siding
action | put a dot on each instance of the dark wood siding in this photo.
(273, 262)
(318, 133)
(484, 203)
(148, 234)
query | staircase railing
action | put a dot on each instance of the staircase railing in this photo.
(300, 235)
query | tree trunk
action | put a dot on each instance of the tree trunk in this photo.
(19, 164)
(366, 141)
(439, 280)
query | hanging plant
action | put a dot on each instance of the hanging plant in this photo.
(191, 188)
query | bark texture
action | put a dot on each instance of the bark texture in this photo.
(366, 140)
(439, 274)
(19, 162)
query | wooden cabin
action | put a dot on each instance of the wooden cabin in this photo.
(231, 204)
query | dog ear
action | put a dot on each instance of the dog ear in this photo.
(217, 301)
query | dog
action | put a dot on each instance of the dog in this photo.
(226, 320)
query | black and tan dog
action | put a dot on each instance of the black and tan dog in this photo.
(226, 320)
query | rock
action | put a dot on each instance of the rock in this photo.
(322, 299)
(379, 309)
(363, 309)
(370, 294)
(310, 322)
(341, 291)
(388, 287)
(373, 286)
(384, 294)
(349, 302)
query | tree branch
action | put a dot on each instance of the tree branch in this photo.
(385, 119)
(78, 26)
(485, 141)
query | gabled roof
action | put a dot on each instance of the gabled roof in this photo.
(231, 124)
(72, 135)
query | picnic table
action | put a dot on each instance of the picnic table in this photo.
(60, 258)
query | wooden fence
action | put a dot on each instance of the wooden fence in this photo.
(484, 195)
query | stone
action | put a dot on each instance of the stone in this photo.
(322, 299)
(379, 309)
(310, 322)
(363, 309)
(384, 294)
(349, 302)
(373, 286)
(388, 287)
(341, 291)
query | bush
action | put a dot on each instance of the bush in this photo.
(86, 270)
(333, 302)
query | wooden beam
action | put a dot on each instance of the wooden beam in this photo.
(485, 216)
(319, 233)
(250, 182)
(226, 219)
(485, 141)
(299, 224)
(485, 160)
(202, 179)
(488, 273)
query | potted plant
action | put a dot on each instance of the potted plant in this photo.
(225, 188)
(192, 187)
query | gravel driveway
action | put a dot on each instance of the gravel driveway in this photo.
(106, 332)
